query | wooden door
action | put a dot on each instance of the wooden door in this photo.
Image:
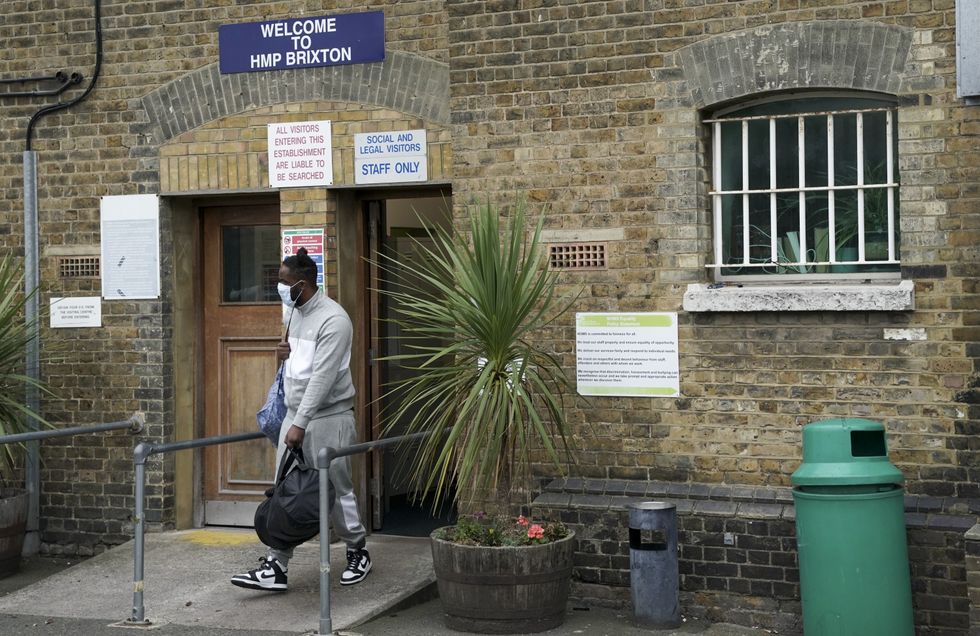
(242, 316)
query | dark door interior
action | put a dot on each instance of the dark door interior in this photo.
(398, 231)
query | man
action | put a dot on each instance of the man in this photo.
(320, 412)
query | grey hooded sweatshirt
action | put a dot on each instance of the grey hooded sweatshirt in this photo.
(316, 376)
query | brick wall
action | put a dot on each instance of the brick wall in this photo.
(973, 575)
(590, 109)
(231, 153)
(594, 111)
(737, 550)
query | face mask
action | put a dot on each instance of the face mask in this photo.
(286, 293)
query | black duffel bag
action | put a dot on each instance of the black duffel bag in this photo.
(291, 513)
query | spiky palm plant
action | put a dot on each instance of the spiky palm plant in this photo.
(15, 334)
(470, 311)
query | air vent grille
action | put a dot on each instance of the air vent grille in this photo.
(79, 267)
(577, 256)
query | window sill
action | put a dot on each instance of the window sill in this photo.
(840, 297)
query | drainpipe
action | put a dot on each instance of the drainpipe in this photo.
(32, 541)
(32, 479)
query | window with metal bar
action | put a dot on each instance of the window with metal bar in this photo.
(805, 188)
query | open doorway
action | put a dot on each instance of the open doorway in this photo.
(398, 229)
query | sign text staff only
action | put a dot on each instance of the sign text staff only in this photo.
(390, 157)
(352, 38)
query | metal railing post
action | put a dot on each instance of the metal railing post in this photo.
(140, 453)
(323, 459)
(139, 611)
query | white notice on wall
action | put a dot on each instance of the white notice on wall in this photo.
(391, 157)
(76, 312)
(300, 154)
(627, 354)
(130, 246)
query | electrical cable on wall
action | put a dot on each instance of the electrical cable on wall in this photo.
(46, 110)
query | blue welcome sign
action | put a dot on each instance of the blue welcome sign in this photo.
(352, 38)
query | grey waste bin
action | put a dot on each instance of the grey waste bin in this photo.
(653, 564)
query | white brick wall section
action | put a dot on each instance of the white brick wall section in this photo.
(905, 334)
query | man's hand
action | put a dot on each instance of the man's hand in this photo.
(294, 436)
(282, 351)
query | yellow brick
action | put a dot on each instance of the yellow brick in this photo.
(182, 172)
(165, 176)
(231, 170)
(291, 220)
(173, 150)
(200, 173)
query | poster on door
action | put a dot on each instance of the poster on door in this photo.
(312, 240)
(627, 354)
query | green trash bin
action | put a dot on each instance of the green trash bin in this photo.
(850, 533)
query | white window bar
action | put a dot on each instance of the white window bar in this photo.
(816, 113)
(831, 212)
(820, 188)
(746, 248)
(773, 251)
(860, 183)
(801, 172)
(889, 177)
(716, 177)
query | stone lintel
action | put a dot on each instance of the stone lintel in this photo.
(803, 297)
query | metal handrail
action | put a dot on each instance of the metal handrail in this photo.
(134, 424)
(324, 457)
(140, 453)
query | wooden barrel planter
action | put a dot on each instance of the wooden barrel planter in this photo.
(13, 526)
(503, 590)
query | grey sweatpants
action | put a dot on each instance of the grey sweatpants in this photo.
(336, 431)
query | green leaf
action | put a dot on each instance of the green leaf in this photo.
(15, 335)
(471, 338)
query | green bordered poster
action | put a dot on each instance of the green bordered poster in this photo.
(627, 354)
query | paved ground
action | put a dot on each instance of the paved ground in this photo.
(186, 584)
(426, 620)
(187, 593)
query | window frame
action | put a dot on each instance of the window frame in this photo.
(891, 185)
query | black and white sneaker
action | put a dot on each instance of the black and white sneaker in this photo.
(270, 576)
(358, 566)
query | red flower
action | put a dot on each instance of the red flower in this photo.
(523, 521)
(535, 532)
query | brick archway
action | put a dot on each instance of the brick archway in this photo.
(844, 54)
(403, 82)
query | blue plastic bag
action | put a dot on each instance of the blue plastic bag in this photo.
(273, 412)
